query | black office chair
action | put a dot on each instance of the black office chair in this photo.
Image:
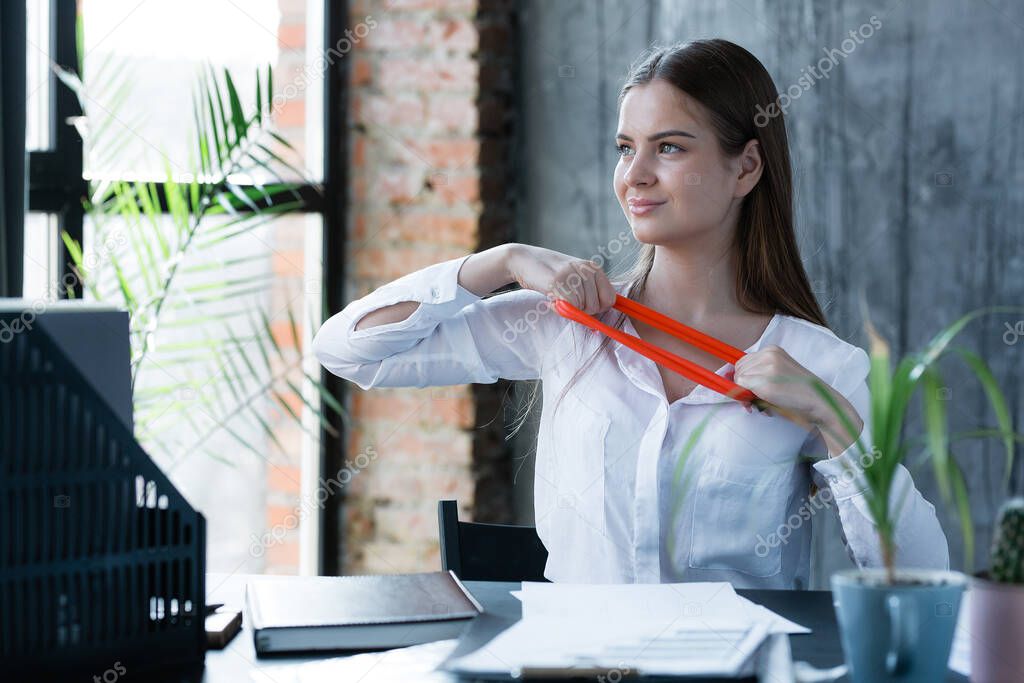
(488, 552)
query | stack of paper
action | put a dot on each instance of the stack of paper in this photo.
(693, 599)
(647, 629)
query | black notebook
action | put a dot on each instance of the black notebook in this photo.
(301, 614)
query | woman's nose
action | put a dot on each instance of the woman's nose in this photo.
(638, 173)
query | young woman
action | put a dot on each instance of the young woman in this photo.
(704, 180)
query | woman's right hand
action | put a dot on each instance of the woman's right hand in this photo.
(578, 281)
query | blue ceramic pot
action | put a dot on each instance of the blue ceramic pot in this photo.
(897, 632)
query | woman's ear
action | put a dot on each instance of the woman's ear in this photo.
(751, 167)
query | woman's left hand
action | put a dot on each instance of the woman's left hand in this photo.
(775, 377)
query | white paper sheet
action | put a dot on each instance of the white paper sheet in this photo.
(648, 600)
(665, 628)
(675, 647)
(415, 663)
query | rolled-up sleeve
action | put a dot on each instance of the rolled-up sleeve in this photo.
(453, 336)
(919, 538)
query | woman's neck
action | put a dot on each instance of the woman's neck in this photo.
(695, 282)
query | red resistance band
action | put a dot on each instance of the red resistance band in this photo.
(686, 368)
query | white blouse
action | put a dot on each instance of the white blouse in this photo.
(607, 505)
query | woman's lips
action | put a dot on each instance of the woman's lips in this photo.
(639, 209)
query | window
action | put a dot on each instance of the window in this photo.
(234, 449)
(40, 258)
(37, 81)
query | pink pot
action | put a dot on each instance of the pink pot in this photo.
(996, 632)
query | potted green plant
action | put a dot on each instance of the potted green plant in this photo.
(898, 624)
(996, 613)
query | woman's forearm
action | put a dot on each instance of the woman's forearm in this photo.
(481, 273)
(837, 438)
(487, 270)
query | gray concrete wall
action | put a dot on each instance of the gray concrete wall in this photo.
(907, 165)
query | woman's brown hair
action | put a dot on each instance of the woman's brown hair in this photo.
(735, 90)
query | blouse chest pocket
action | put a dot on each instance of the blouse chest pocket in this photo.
(578, 448)
(739, 510)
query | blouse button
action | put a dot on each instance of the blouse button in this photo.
(435, 292)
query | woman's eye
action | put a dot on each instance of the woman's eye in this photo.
(625, 150)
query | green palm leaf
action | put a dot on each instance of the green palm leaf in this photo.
(891, 393)
(167, 276)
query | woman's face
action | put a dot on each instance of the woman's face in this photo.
(668, 154)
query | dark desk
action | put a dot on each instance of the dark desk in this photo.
(812, 609)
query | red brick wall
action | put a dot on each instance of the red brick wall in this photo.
(430, 108)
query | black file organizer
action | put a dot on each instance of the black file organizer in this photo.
(102, 561)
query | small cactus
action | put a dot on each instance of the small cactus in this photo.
(1008, 543)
